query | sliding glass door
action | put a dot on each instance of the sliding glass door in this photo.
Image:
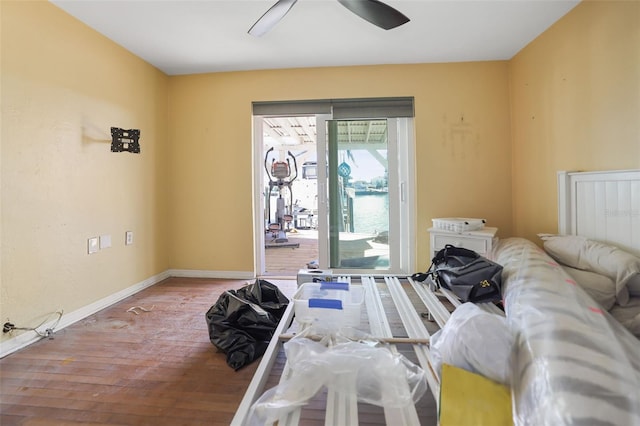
(368, 213)
(361, 152)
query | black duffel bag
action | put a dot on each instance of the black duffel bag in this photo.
(471, 277)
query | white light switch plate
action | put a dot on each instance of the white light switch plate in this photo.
(128, 239)
(105, 241)
(93, 245)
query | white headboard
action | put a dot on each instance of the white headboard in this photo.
(602, 206)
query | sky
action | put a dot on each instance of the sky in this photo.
(366, 166)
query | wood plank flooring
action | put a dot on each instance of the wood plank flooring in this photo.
(286, 261)
(153, 368)
(119, 368)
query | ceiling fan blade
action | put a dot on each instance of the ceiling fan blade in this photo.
(271, 17)
(376, 12)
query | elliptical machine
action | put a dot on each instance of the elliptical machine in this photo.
(278, 174)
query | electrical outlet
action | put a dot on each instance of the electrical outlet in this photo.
(105, 241)
(93, 245)
(128, 238)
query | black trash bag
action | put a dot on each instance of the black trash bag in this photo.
(242, 322)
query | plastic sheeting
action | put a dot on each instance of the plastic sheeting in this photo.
(475, 340)
(374, 374)
(573, 363)
(242, 322)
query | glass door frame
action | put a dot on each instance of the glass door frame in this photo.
(402, 209)
(402, 240)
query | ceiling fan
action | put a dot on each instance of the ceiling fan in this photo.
(374, 11)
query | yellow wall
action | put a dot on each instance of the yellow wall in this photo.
(63, 87)
(575, 96)
(462, 148)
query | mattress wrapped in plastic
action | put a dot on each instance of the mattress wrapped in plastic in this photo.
(573, 363)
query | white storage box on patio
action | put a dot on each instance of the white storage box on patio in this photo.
(458, 224)
(329, 302)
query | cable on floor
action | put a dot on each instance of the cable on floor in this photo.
(134, 309)
(48, 332)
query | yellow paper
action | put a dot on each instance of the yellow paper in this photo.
(470, 399)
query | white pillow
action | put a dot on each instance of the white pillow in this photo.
(601, 288)
(589, 255)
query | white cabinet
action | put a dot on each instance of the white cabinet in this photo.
(480, 241)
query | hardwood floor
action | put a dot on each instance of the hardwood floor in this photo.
(151, 368)
(119, 368)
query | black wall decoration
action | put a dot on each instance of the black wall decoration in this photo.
(125, 140)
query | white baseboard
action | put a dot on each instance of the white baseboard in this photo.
(24, 339)
(20, 341)
(194, 273)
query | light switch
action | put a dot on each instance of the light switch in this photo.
(105, 241)
(128, 238)
(93, 245)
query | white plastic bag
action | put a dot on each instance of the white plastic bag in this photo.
(475, 340)
(374, 374)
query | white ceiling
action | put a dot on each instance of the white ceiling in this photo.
(198, 36)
